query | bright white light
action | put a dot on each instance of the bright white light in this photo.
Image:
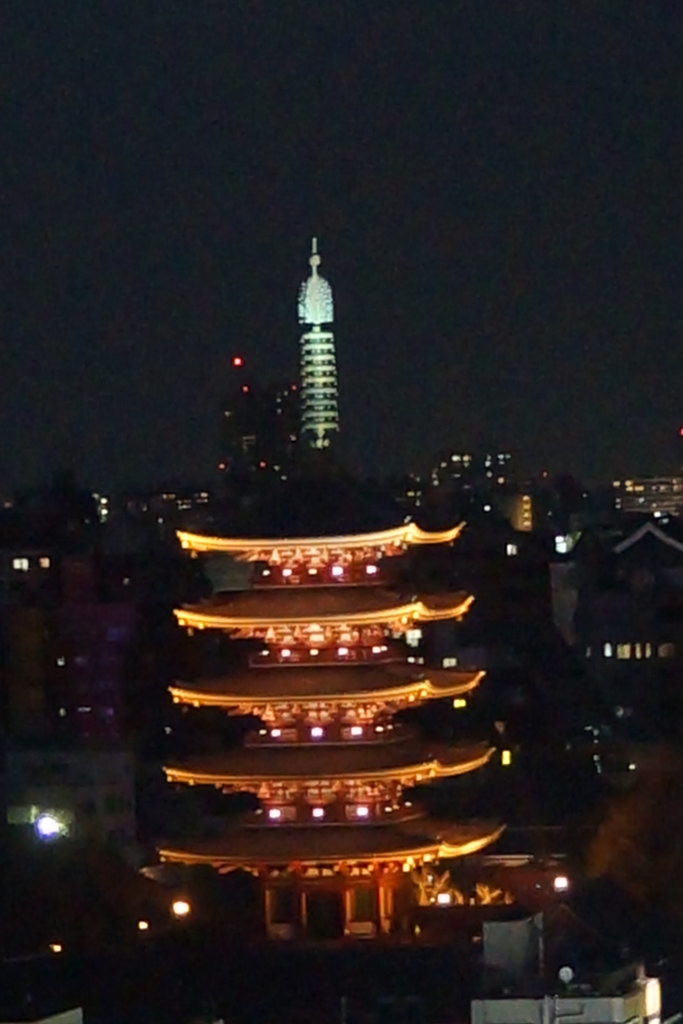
(342, 651)
(276, 733)
(316, 732)
(376, 650)
(560, 883)
(371, 570)
(487, 508)
(286, 572)
(356, 730)
(47, 826)
(312, 572)
(274, 813)
(318, 812)
(314, 651)
(632, 766)
(443, 898)
(285, 652)
(181, 908)
(337, 570)
(143, 926)
(56, 947)
(362, 812)
(266, 572)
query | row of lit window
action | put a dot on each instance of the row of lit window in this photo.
(626, 651)
(317, 732)
(282, 814)
(336, 571)
(23, 564)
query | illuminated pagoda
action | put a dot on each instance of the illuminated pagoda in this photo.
(319, 394)
(334, 841)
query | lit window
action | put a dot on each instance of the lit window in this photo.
(459, 702)
(316, 732)
(44, 562)
(589, 652)
(637, 650)
(510, 550)
(20, 564)
(318, 812)
(443, 898)
(623, 651)
(506, 758)
(449, 662)
(337, 570)
(666, 651)
(607, 650)
(648, 650)
(356, 730)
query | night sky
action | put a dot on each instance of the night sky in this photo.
(496, 187)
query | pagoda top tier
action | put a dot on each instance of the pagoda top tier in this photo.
(252, 611)
(320, 550)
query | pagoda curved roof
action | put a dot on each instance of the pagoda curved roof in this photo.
(315, 844)
(344, 682)
(405, 535)
(292, 604)
(404, 757)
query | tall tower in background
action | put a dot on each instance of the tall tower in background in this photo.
(319, 392)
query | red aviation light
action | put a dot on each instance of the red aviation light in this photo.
(680, 431)
(245, 389)
(237, 361)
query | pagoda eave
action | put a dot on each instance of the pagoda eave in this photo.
(396, 617)
(408, 773)
(380, 846)
(250, 549)
(243, 703)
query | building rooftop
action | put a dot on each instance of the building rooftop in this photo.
(361, 605)
(332, 843)
(347, 682)
(405, 757)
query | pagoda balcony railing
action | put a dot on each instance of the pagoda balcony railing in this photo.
(300, 732)
(297, 574)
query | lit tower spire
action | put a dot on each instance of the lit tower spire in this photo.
(319, 395)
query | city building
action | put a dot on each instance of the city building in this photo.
(473, 471)
(260, 424)
(319, 390)
(657, 495)
(618, 600)
(333, 840)
(87, 793)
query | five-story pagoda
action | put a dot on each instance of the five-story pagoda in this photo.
(333, 839)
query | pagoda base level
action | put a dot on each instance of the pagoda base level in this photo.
(328, 909)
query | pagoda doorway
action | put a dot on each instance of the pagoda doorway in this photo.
(324, 914)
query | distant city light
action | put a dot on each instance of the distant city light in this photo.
(181, 908)
(143, 926)
(56, 947)
(48, 826)
(237, 361)
(506, 757)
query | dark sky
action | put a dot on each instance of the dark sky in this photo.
(496, 187)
